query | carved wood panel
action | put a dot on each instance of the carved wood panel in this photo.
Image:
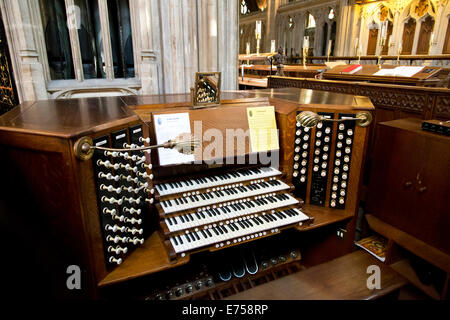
(426, 28)
(408, 36)
(404, 101)
(372, 42)
(442, 107)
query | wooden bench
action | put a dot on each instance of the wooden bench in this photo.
(342, 278)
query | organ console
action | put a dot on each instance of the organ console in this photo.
(139, 228)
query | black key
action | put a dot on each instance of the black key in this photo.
(175, 240)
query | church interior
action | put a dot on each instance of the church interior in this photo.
(206, 150)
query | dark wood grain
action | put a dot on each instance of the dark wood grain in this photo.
(367, 74)
(410, 181)
(409, 242)
(344, 278)
(36, 141)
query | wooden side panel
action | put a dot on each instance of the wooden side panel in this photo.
(44, 217)
(408, 36)
(410, 182)
(426, 28)
(372, 42)
(446, 48)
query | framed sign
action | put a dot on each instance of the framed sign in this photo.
(206, 91)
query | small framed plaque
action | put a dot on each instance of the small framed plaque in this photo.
(206, 91)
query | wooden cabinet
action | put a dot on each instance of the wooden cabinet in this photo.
(410, 181)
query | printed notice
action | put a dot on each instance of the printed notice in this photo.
(169, 126)
(263, 128)
(405, 71)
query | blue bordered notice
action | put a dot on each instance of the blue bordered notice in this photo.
(169, 126)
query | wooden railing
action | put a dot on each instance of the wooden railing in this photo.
(391, 101)
(410, 58)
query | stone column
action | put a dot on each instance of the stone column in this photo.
(228, 37)
(145, 55)
(271, 24)
(24, 46)
(345, 27)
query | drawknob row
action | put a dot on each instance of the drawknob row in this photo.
(122, 229)
(128, 178)
(117, 239)
(116, 166)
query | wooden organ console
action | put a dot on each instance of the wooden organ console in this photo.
(137, 228)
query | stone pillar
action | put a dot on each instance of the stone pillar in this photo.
(24, 46)
(271, 24)
(207, 34)
(178, 47)
(345, 26)
(145, 55)
(228, 38)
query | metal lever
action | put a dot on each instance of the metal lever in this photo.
(184, 143)
(310, 119)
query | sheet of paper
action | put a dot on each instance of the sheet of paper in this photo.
(384, 72)
(405, 71)
(263, 128)
(169, 126)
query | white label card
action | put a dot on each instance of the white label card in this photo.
(169, 126)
